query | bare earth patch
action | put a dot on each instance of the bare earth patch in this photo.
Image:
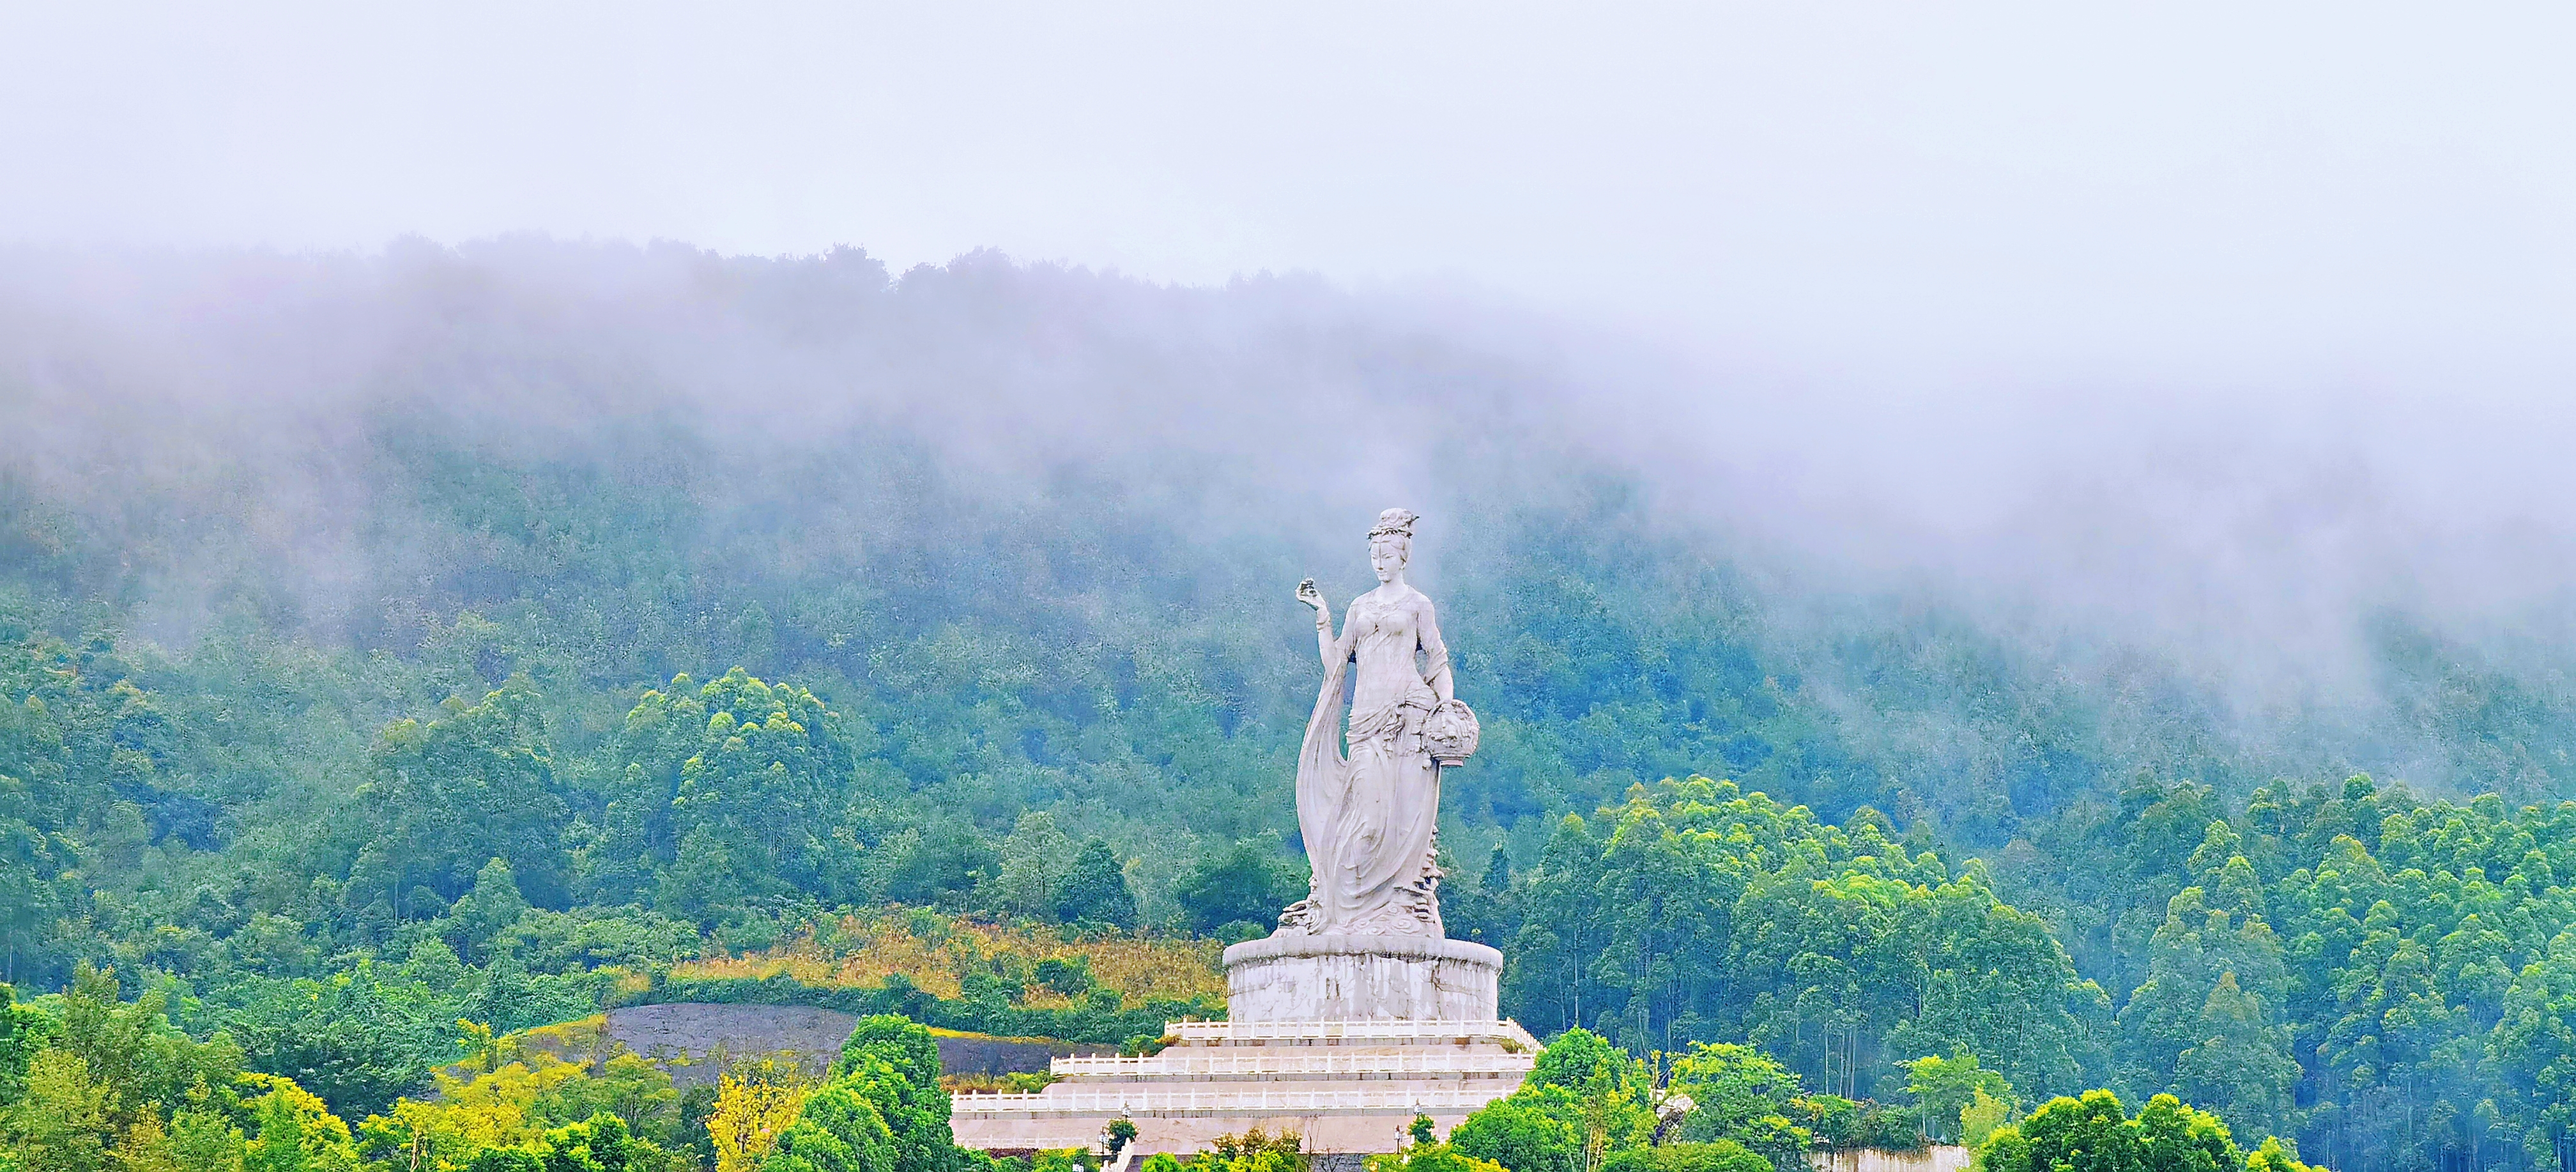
(698, 1042)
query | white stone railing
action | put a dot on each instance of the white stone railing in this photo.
(1233, 1098)
(1226, 1062)
(1389, 1031)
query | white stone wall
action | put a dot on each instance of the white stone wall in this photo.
(1932, 1158)
(1362, 978)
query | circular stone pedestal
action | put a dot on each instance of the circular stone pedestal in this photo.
(1362, 978)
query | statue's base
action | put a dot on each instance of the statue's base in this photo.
(1342, 1086)
(1339, 1039)
(1362, 978)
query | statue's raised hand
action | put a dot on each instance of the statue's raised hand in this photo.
(1308, 594)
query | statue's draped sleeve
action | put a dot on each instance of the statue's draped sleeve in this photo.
(1435, 653)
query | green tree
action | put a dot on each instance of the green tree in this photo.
(2275, 1156)
(927, 866)
(2196, 1001)
(1725, 1155)
(354, 1039)
(2533, 1045)
(1530, 1130)
(1741, 1095)
(133, 1051)
(1695, 911)
(1254, 1150)
(1616, 1092)
(1487, 911)
(1036, 860)
(494, 904)
(2087, 1134)
(1095, 889)
(2095, 1134)
(1429, 1156)
(295, 1133)
(753, 770)
(839, 1130)
(1943, 1088)
(1983, 1114)
(1244, 883)
(206, 1141)
(447, 796)
(24, 1030)
(2240, 1063)
(893, 1064)
(1730, 1085)
(635, 1091)
(703, 882)
(60, 1122)
(600, 1143)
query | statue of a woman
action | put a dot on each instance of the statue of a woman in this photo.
(1368, 816)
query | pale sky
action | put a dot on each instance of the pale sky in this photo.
(2229, 195)
(2227, 320)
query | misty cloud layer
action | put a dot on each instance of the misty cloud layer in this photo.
(1890, 199)
(2202, 329)
(182, 401)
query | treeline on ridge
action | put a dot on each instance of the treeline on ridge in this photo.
(2348, 956)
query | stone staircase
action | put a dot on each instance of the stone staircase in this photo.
(1345, 1086)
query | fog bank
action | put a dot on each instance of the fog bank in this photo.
(214, 419)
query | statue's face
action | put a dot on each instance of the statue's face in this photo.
(1387, 556)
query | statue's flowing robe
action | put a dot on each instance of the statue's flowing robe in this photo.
(1368, 816)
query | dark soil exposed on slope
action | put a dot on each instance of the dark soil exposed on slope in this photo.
(696, 1042)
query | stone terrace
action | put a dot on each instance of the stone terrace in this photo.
(1346, 1086)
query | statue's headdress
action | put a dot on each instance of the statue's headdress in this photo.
(1394, 523)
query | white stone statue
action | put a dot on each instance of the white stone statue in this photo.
(1369, 815)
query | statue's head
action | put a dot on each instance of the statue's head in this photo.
(1391, 543)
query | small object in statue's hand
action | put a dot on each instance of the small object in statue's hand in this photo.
(1451, 732)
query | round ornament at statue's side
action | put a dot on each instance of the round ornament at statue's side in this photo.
(1450, 733)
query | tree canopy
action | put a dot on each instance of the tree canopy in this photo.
(520, 690)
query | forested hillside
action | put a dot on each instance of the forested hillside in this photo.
(485, 633)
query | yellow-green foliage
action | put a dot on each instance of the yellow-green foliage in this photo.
(1429, 1158)
(110, 1086)
(296, 1132)
(936, 953)
(749, 1116)
(1983, 1114)
(492, 1109)
(1254, 1150)
(526, 1093)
